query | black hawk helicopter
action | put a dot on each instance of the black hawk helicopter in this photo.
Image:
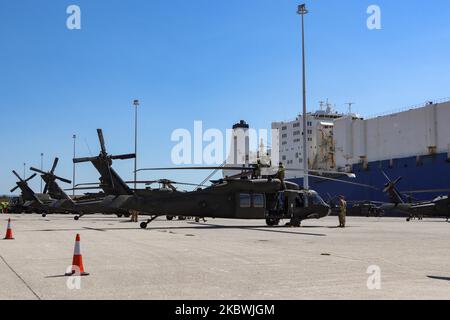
(29, 201)
(237, 197)
(87, 204)
(438, 207)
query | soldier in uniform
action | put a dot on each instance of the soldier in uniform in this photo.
(257, 170)
(281, 174)
(4, 206)
(134, 215)
(342, 211)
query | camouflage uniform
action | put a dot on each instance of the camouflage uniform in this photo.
(4, 207)
(281, 174)
(342, 212)
(134, 215)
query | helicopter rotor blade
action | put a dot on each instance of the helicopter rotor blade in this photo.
(342, 181)
(17, 175)
(37, 170)
(197, 168)
(321, 172)
(14, 189)
(385, 175)
(31, 177)
(427, 191)
(84, 188)
(63, 179)
(123, 157)
(55, 163)
(102, 140)
(87, 159)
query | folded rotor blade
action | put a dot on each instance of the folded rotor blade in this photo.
(123, 157)
(385, 175)
(31, 177)
(87, 159)
(55, 163)
(85, 188)
(14, 189)
(63, 179)
(102, 140)
(37, 170)
(17, 175)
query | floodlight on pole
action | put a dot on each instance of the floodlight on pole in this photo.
(136, 105)
(303, 11)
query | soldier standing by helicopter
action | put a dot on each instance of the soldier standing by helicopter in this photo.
(342, 211)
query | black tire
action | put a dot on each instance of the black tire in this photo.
(143, 225)
(44, 215)
(169, 218)
(272, 222)
(119, 215)
(76, 218)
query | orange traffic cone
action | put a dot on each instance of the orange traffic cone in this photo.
(9, 233)
(77, 262)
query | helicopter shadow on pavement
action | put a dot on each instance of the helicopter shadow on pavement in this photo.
(439, 278)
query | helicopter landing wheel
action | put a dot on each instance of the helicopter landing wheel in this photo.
(76, 218)
(294, 223)
(272, 222)
(44, 215)
(144, 225)
(408, 220)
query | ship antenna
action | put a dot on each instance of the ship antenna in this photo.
(321, 105)
(350, 107)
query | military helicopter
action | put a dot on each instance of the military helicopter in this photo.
(236, 197)
(438, 207)
(88, 204)
(30, 201)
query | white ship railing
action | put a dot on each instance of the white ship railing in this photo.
(404, 109)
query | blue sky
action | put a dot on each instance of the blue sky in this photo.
(215, 61)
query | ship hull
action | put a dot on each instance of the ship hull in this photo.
(430, 172)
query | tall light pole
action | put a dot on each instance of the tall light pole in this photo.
(74, 137)
(42, 167)
(302, 11)
(136, 105)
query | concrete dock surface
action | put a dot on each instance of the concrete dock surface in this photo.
(373, 258)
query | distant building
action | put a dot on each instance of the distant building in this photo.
(319, 132)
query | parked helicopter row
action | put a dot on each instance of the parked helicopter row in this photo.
(243, 196)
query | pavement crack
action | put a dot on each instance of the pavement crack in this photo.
(20, 278)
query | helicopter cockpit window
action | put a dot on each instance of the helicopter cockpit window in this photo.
(245, 200)
(299, 201)
(258, 200)
(315, 199)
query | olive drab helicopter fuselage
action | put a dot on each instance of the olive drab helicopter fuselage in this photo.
(231, 199)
